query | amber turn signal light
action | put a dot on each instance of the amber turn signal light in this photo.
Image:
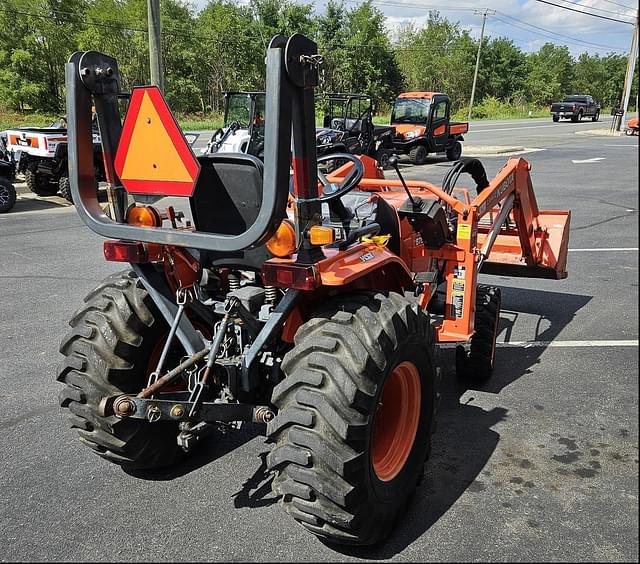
(319, 235)
(143, 216)
(283, 243)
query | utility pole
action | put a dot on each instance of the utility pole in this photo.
(155, 50)
(475, 74)
(628, 79)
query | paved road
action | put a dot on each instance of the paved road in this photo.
(539, 464)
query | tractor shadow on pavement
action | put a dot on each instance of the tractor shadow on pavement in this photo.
(465, 440)
(38, 204)
(215, 446)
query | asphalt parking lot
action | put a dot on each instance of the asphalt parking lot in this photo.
(538, 464)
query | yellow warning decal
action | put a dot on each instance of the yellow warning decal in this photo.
(464, 231)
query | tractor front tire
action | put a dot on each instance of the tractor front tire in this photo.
(107, 352)
(356, 413)
(7, 195)
(418, 154)
(477, 364)
(455, 151)
(39, 184)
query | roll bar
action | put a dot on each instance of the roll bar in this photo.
(92, 78)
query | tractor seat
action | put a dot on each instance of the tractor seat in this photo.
(228, 194)
(227, 200)
(364, 213)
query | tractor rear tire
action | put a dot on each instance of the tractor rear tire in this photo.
(478, 363)
(64, 187)
(39, 183)
(455, 151)
(108, 352)
(418, 154)
(356, 413)
(7, 195)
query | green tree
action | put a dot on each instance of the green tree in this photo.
(331, 34)
(371, 66)
(36, 38)
(550, 73)
(439, 56)
(503, 70)
(229, 52)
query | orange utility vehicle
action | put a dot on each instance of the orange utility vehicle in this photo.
(316, 312)
(423, 126)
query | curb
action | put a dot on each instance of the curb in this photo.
(600, 132)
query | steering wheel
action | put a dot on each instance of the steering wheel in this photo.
(331, 191)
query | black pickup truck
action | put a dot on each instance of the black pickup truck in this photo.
(576, 107)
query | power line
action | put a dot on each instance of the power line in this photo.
(574, 40)
(594, 8)
(408, 5)
(618, 4)
(583, 12)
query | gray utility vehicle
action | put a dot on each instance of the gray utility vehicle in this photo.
(7, 176)
(576, 107)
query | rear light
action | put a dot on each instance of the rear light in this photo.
(283, 243)
(125, 251)
(290, 275)
(573, 107)
(13, 139)
(46, 144)
(33, 142)
(143, 216)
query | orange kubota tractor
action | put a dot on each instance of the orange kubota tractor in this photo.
(316, 310)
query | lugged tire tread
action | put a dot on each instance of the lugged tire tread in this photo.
(101, 355)
(332, 371)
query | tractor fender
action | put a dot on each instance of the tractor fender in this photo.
(366, 266)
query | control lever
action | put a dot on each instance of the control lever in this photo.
(416, 202)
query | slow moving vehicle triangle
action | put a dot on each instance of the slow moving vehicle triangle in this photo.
(153, 156)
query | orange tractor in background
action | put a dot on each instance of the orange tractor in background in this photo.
(313, 308)
(633, 127)
(422, 124)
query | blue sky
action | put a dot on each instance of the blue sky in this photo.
(515, 18)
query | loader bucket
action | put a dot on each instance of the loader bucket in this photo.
(550, 259)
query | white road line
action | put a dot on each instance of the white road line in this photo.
(593, 160)
(508, 128)
(601, 250)
(568, 344)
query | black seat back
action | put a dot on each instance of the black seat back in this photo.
(228, 194)
(227, 200)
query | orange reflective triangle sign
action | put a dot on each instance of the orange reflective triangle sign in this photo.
(153, 156)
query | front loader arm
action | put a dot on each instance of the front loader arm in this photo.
(533, 243)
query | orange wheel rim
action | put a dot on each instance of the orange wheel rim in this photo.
(396, 421)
